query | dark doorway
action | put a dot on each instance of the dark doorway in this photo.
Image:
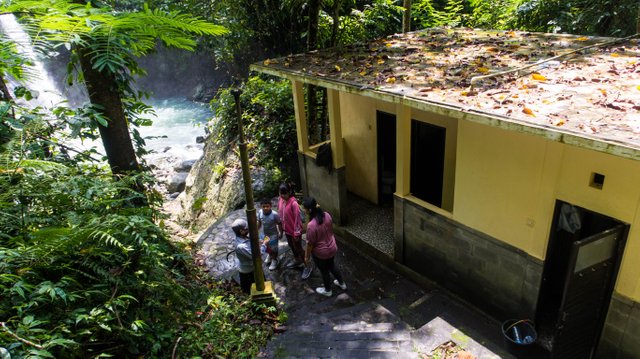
(585, 249)
(386, 123)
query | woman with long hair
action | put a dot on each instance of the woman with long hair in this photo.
(321, 244)
(291, 224)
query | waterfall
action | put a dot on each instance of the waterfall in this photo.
(178, 121)
(38, 80)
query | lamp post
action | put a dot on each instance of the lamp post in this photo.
(261, 291)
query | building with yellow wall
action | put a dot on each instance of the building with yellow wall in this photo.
(512, 161)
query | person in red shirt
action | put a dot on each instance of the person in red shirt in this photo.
(291, 224)
(321, 243)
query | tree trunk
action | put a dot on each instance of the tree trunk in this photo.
(324, 116)
(6, 95)
(638, 22)
(312, 30)
(5, 130)
(312, 44)
(406, 16)
(335, 14)
(103, 92)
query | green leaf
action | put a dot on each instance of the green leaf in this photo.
(40, 353)
(61, 293)
(27, 320)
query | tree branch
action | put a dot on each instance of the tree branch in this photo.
(3, 325)
(175, 347)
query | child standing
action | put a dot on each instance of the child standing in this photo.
(242, 247)
(271, 225)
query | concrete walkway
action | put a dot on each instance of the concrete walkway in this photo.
(381, 314)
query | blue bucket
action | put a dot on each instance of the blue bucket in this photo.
(519, 336)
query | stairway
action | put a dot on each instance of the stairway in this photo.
(363, 330)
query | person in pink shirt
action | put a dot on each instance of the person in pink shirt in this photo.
(321, 243)
(291, 224)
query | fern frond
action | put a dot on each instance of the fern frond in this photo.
(43, 165)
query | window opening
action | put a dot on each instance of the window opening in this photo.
(427, 161)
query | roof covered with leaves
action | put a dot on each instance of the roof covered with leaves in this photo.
(583, 86)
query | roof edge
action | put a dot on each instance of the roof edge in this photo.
(461, 113)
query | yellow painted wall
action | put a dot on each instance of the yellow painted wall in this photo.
(507, 184)
(498, 185)
(360, 155)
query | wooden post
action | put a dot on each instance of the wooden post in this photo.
(261, 292)
(301, 117)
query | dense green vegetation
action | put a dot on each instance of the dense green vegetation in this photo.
(83, 273)
(267, 112)
(85, 270)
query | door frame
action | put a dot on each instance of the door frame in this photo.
(386, 142)
(550, 260)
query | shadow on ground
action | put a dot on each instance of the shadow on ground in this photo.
(380, 315)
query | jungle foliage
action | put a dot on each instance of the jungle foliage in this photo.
(105, 45)
(83, 273)
(267, 115)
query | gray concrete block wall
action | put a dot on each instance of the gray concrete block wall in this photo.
(621, 334)
(493, 275)
(328, 188)
(398, 229)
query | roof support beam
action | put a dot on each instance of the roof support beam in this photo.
(335, 127)
(301, 116)
(403, 150)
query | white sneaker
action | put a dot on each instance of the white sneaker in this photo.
(268, 260)
(274, 264)
(343, 285)
(321, 290)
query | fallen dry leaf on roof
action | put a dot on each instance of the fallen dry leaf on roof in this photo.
(538, 77)
(588, 92)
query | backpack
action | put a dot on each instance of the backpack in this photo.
(324, 157)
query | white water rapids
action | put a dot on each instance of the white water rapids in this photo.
(178, 120)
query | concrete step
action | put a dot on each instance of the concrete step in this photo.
(286, 352)
(369, 311)
(355, 340)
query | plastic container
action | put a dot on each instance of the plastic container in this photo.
(519, 336)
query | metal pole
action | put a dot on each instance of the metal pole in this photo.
(258, 274)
